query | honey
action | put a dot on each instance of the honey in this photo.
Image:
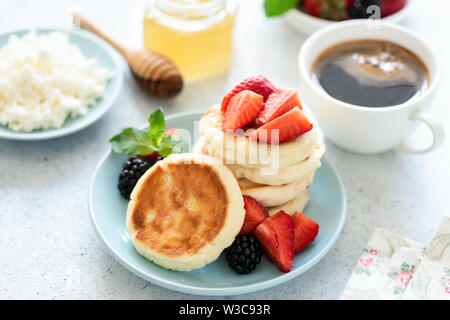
(195, 34)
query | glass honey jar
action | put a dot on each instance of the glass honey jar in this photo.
(195, 34)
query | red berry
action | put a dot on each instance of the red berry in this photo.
(305, 232)
(290, 125)
(348, 4)
(153, 155)
(254, 215)
(278, 103)
(242, 110)
(276, 235)
(259, 85)
(389, 7)
(327, 9)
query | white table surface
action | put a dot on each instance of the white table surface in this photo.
(48, 248)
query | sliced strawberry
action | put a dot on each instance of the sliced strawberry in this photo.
(268, 238)
(254, 215)
(278, 103)
(242, 110)
(306, 231)
(276, 235)
(169, 132)
(259, 85)
(289, 125)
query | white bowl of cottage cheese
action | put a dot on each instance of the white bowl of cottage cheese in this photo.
(54, 82)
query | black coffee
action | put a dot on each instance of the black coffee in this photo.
(370, 73)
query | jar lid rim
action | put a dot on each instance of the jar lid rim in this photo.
(190, 5)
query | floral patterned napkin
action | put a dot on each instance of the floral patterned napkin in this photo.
(392, 267)
(432, 277)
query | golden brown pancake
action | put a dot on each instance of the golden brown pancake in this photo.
(184, 211)
(270, 196)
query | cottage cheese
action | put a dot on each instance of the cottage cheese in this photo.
(44, 79)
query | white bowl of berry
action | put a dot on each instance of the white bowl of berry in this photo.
(308, 16)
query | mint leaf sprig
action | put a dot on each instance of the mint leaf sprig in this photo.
(136, 142)
(278, 7)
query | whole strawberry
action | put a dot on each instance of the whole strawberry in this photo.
(389, 7)
(327, 9)
(259, 85)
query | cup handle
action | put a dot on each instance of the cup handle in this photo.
(436, 129)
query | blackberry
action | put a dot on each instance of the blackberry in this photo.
(244, 254)
(358, 10)
(132, 170)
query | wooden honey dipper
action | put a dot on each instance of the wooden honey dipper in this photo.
(154, 72)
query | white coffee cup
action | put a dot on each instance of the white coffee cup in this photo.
(369, 130)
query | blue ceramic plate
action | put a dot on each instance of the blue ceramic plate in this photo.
(107, 209)
(92, 47)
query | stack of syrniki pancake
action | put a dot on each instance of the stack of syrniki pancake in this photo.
(188, 208)
(276, 175)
